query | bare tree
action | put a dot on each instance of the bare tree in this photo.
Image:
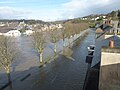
(7, 55)
(39, 43)
(68, 30)
(55, 38)
(63, 35)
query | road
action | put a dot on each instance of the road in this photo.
(64, 73)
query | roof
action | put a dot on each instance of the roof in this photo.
(105, 28)
(5, 29)
(102, 26)
(99, 30)
(101, 42)
(92, 80)
(114, 38)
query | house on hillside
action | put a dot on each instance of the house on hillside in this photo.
(59, 26)
(84, 18)
(13, 33)
(1, 24)
(108, 22)
(28, 32)
(97, 18)
(6, 31)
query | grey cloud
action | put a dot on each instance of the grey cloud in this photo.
(79, 8)
(12, 13)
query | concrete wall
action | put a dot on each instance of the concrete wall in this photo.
(109, 78)
(107, 36)
(110, 58)
(118, 36)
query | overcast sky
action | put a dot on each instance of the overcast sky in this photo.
(49, 10)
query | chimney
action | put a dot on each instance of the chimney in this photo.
(111, 44)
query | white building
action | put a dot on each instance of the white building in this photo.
(93, 19)
(13, 33)
(0, 33)
(59, 26)
(2, 24)
(97, 18)
(29, 32)
(104, 16)
(84, 18)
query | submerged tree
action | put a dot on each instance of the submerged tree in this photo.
(7, 55)
(55, 38)
(74, 29)
(63, 36)
(68, 30)
(39, 43)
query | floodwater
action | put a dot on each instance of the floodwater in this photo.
(64, 73)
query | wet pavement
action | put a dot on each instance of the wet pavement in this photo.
(61, 74)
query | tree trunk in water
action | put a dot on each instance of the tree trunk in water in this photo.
(73, 39)
(76, 36)
(69, 42)
(9, 81)
(64, 46)
(64, 43)
(41, 58)
(55, 48)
